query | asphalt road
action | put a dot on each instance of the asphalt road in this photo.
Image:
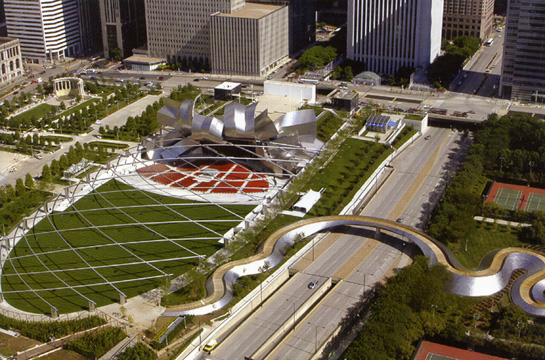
(246, 339)
(419, 170)
(419, 176)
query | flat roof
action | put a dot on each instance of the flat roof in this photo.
(253, 11)
(144, 59)
(227, 85)
(342, 94)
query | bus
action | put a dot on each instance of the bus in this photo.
(489, 42)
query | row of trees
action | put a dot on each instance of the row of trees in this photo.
(317, 57)
(94, 345)
(16, 202)
(412, 304)
(42, 331)
(138, 352)
(146, 123)
(509, 148)
(445, 68)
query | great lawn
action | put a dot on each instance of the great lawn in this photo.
(122, 234)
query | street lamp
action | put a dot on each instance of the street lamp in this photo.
(293, 303)
(364, 282)
(316, 335)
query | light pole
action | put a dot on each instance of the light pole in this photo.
(293, 303)
(316, 335)
(476, 316)
(433, 308)
(364, 282)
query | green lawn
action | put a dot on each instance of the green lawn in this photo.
(484, 238)
(129, 243)
(327, 126)
(345, 174)
(37, 112)
(78, 107)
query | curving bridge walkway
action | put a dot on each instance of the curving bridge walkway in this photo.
(493, 275)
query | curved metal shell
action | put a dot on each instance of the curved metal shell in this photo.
(206, 128)
(239, 120)
(302, 122)
(186, 114)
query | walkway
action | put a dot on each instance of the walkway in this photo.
(464, 282)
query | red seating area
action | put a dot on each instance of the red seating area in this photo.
(152, 170)
(231, 179)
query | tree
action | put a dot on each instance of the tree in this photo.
(55, 168)
(46, 174)
(19, 187)
(115, 54)
(29, 181)
(317, 56)
(62, 106)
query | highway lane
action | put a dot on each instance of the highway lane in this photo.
(248, 337)
(355, 258)
(429, 193)
(408, 167)
(322, 322)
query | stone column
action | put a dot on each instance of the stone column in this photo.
(91, 306)
(54, 313)
(122, 299)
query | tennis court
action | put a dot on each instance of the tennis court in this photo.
(438, 357)
(508, 199)
(535, 202)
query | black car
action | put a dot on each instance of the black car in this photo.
(312, 284)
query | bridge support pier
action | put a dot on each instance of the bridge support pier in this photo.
(378, 234)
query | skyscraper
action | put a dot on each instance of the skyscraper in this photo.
(123, 26)
(179, 30)
(48, 30)
(523, 78)
(389, 34)
(89, 28)
(301, 22)
(468, 17)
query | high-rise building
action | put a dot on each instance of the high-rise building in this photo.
(48, 30)
(123, 26)
(3, 28)
(179, 30)
(89, 28)
(332, 12)
(250, 41)
(302, 22)
(523, 78)
(389, 34)
(468, 17)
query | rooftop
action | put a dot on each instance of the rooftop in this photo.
(227, 85)
(144, 59)
(342, 94)
(5, 39)
(253, 11)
